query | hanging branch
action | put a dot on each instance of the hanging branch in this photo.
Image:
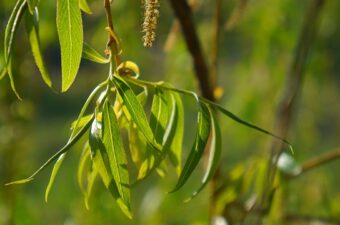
(287, 104)
(183, 13)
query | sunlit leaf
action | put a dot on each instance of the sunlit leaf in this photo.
(70, 32)
(53, 175)
(92, 55)
(137, 145)
(32, 5)
(115, 150)
(10, 32)
(176, 140)
(196, 153)
(12, 27)
(67, 147)
(91, 174)
(3, 72)
(102, 164)
(128, 67)
(32, 27)
(136, 111)
(84, 6)
(214, 153)
(77, 125)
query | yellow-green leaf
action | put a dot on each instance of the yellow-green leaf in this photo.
(32, 27)
(92, 55)
(84, 6)
(70, 32)
(196, 153)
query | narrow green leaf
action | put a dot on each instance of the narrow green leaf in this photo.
(92, 55)
(32, 4)
(3, 73)
(70, 32)
(101, 160)
(136, 111)
(162, 120)
(91, 174)
(79, 123)
(203, 130)
(12, 27)
(10, 32)
(216, 106)
(32, 28)
(84, 6)
(214, 153)
(175, 153)
(137, 145)
(11, 78)
(75, 127)
(53, 175)
(116, 154)
(67, 147)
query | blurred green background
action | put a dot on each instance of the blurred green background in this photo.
(254, 60)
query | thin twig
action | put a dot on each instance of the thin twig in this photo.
(318, 161)
(183, 13)
(113, 43)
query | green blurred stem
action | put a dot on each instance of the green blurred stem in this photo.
(287, 104)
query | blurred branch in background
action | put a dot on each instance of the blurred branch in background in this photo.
(287, 104)
(236, 14)
(183, 13)
(318, 161)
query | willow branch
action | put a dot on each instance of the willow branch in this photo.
(184, 15)
(287, 104)
(113, 43)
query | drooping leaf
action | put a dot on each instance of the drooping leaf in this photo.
(10, 32)
(102, 164)
(162, 120)
(84, 6)
(136, 111)
(53, 175)
(67, 147)
(12, 27)
(32, 28)
(70, 32)
(92, 55)
(3, 72)
(211, 104)
(11, 78)
(75, 127)
(91, 174)
(137, 145)
(32, 5)
(116, 154)
(196, 153)
(175, 153)
(214, 153)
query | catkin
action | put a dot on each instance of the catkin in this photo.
(151, 14)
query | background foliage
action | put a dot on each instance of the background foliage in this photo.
(254, 61)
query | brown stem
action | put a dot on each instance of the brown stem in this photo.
(183, 13)
(113, 43)
(287, 105)
(319, 161)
